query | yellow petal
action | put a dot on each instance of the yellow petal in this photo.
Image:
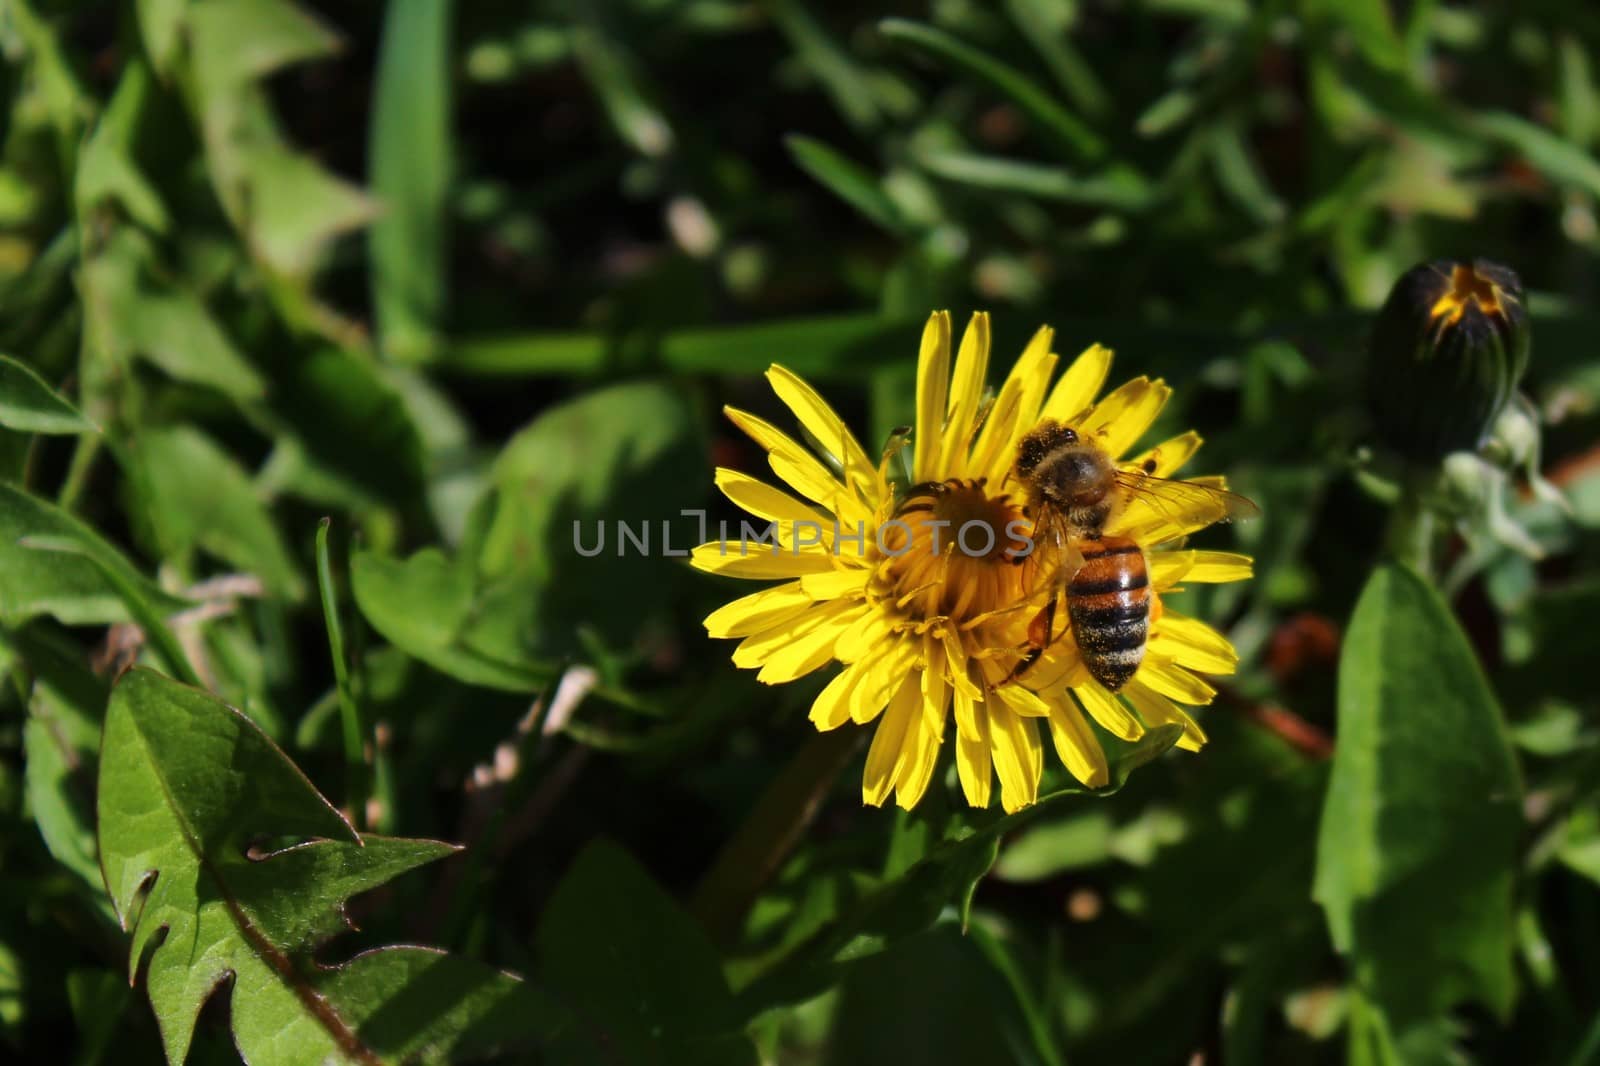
(764, 501)
(734, 558)
(1035, 368)
(969, 711)
(935, 687)
(1174, 682)
(1157, 710)
(1018, 757)
(1022, 701)
(966, 389)
(933, 386)
(812, 650)
(1214, 567)
(757, 648)
(758, 611)
(974, 769)
(919, 754)
(1076, 745)
(868, 636)
(839, 583)
(1078, 386)
(1106, 709)
(955, 656)
(993, 453)
(1191, 643)
(831, 708)
(1122, 417)
(1168, 456)
(797, 466)
(825, 426)
(887, 741)
(880, 680)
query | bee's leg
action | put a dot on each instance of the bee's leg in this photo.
(1036, 644)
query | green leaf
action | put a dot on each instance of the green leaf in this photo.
(635, 969)
(196, 496)
(411, 166)
(188, 789)
(847, 180)
(629, 455)
(344, 435)
(1067, 129)
(1118, 187)
(30, 405)
(1417, 854)
(846, 83)
(984, 1006)
(1558, 159)
(133, 308)
(423, 605)
(911, 901)
(68, 586)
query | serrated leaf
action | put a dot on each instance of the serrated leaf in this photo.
(637, 971)
(69, 586)
(188, 786)
(28, 404)
(1416, 858)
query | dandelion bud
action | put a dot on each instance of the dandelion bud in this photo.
(1447, 351)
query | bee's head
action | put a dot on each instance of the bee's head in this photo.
(1039, 443)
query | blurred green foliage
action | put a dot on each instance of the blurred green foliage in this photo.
(462, 275)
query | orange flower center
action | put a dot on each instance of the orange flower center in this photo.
(950, 557)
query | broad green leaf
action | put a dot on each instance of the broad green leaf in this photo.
(28, 404)
(61, 740)
(1056, 121)
(637, 973)
(411, 164)
(424, 606)
(68, 586)
(1416, 859)
(195, 495)
(629, 455)
(134, 309)
(189, 787)
(344, 435)
(847, 180)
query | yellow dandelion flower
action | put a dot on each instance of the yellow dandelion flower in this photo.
(920, 596)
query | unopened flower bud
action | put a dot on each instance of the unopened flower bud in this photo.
(1447, 351)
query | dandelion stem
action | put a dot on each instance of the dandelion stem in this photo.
(1411, 524)
(774, 825)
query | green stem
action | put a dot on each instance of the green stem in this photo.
(1412, 528)
(774, 825)
(355, 756)
(78, 470)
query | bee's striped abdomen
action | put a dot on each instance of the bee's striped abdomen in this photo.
(1108, 601)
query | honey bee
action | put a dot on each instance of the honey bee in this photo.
(1074, 490)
